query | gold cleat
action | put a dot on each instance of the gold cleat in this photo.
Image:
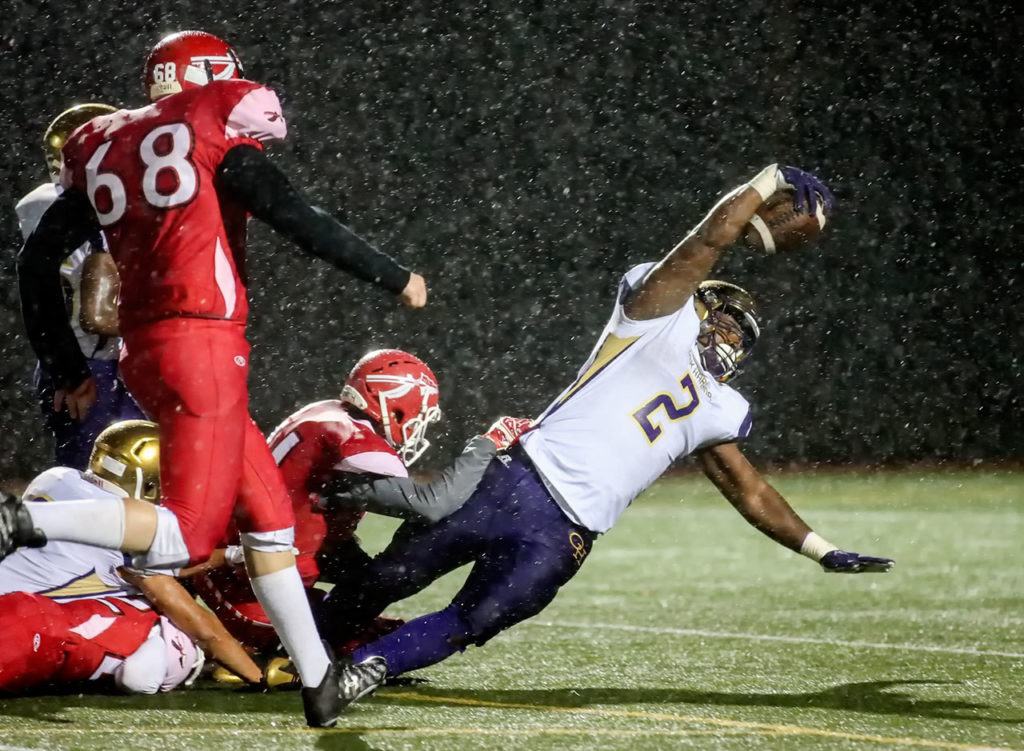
(281, 675)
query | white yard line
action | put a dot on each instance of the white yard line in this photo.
(707, 634)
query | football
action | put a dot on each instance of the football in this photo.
(778, 227)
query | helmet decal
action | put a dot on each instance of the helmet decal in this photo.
(205, 68)
(111, 464)
(188, 59)
(413, 429)
(399, 392)
(126, 456)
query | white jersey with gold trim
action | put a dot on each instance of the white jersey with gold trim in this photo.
(30, 210)
(641, 401)
(64, 570)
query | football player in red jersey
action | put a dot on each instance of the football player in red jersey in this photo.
(44, 642)
(364, 441)
(172, 185)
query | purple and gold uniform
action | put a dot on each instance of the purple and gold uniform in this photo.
(73, 439)
(642, 400)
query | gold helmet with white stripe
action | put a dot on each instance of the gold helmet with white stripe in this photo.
(127, 454)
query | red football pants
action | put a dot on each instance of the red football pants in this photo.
(191, 376)
(32, 638)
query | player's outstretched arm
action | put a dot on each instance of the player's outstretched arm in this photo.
(171, 599)
(100, 285)
(265, 191)
(764, 508)
(67, 224)
(406, 498)
(431, 501)
(672, 282)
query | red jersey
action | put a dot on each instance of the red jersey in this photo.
(179, 244)
(43, 641)
(312, 445)
(102, 632)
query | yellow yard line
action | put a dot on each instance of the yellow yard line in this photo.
(738, 727)
(406, 731)
(760, 727)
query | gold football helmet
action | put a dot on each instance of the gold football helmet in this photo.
(127, 454)
(729, 329)
(66, 123)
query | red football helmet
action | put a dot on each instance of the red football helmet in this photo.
(186, 60)
(399, 392)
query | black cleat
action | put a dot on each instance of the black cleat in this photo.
(16, 528)
(323, 703)
(362, 679)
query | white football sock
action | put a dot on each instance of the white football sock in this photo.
(284, 598)
(94, 522)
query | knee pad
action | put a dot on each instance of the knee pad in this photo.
(168, 550)
(275, 541)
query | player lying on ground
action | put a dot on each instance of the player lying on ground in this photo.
(88, 274)
(46, 643)
(172, 185)
(653, 390)
(361, 444)
(71, 612)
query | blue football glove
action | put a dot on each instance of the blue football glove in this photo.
(841, 562)
(808, 189)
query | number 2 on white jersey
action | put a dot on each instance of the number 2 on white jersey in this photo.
(646, 416)
(174, 159)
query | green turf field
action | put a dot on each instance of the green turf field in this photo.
(686, 629)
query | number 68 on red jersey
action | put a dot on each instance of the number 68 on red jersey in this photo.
(150, 175)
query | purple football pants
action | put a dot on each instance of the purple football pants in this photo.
(523, 549)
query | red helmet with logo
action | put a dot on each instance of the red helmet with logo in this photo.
(187, 60)
(398, 391)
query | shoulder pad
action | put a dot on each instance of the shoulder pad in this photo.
(57, 484)
(252, 111)
(366, 451)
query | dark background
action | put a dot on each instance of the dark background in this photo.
(523, 155)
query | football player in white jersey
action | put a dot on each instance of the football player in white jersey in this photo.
(124, 463)
(90, 282)
(653, 390)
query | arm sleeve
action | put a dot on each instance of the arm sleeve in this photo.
(431, 501)
(249, 177)
(67, 224)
